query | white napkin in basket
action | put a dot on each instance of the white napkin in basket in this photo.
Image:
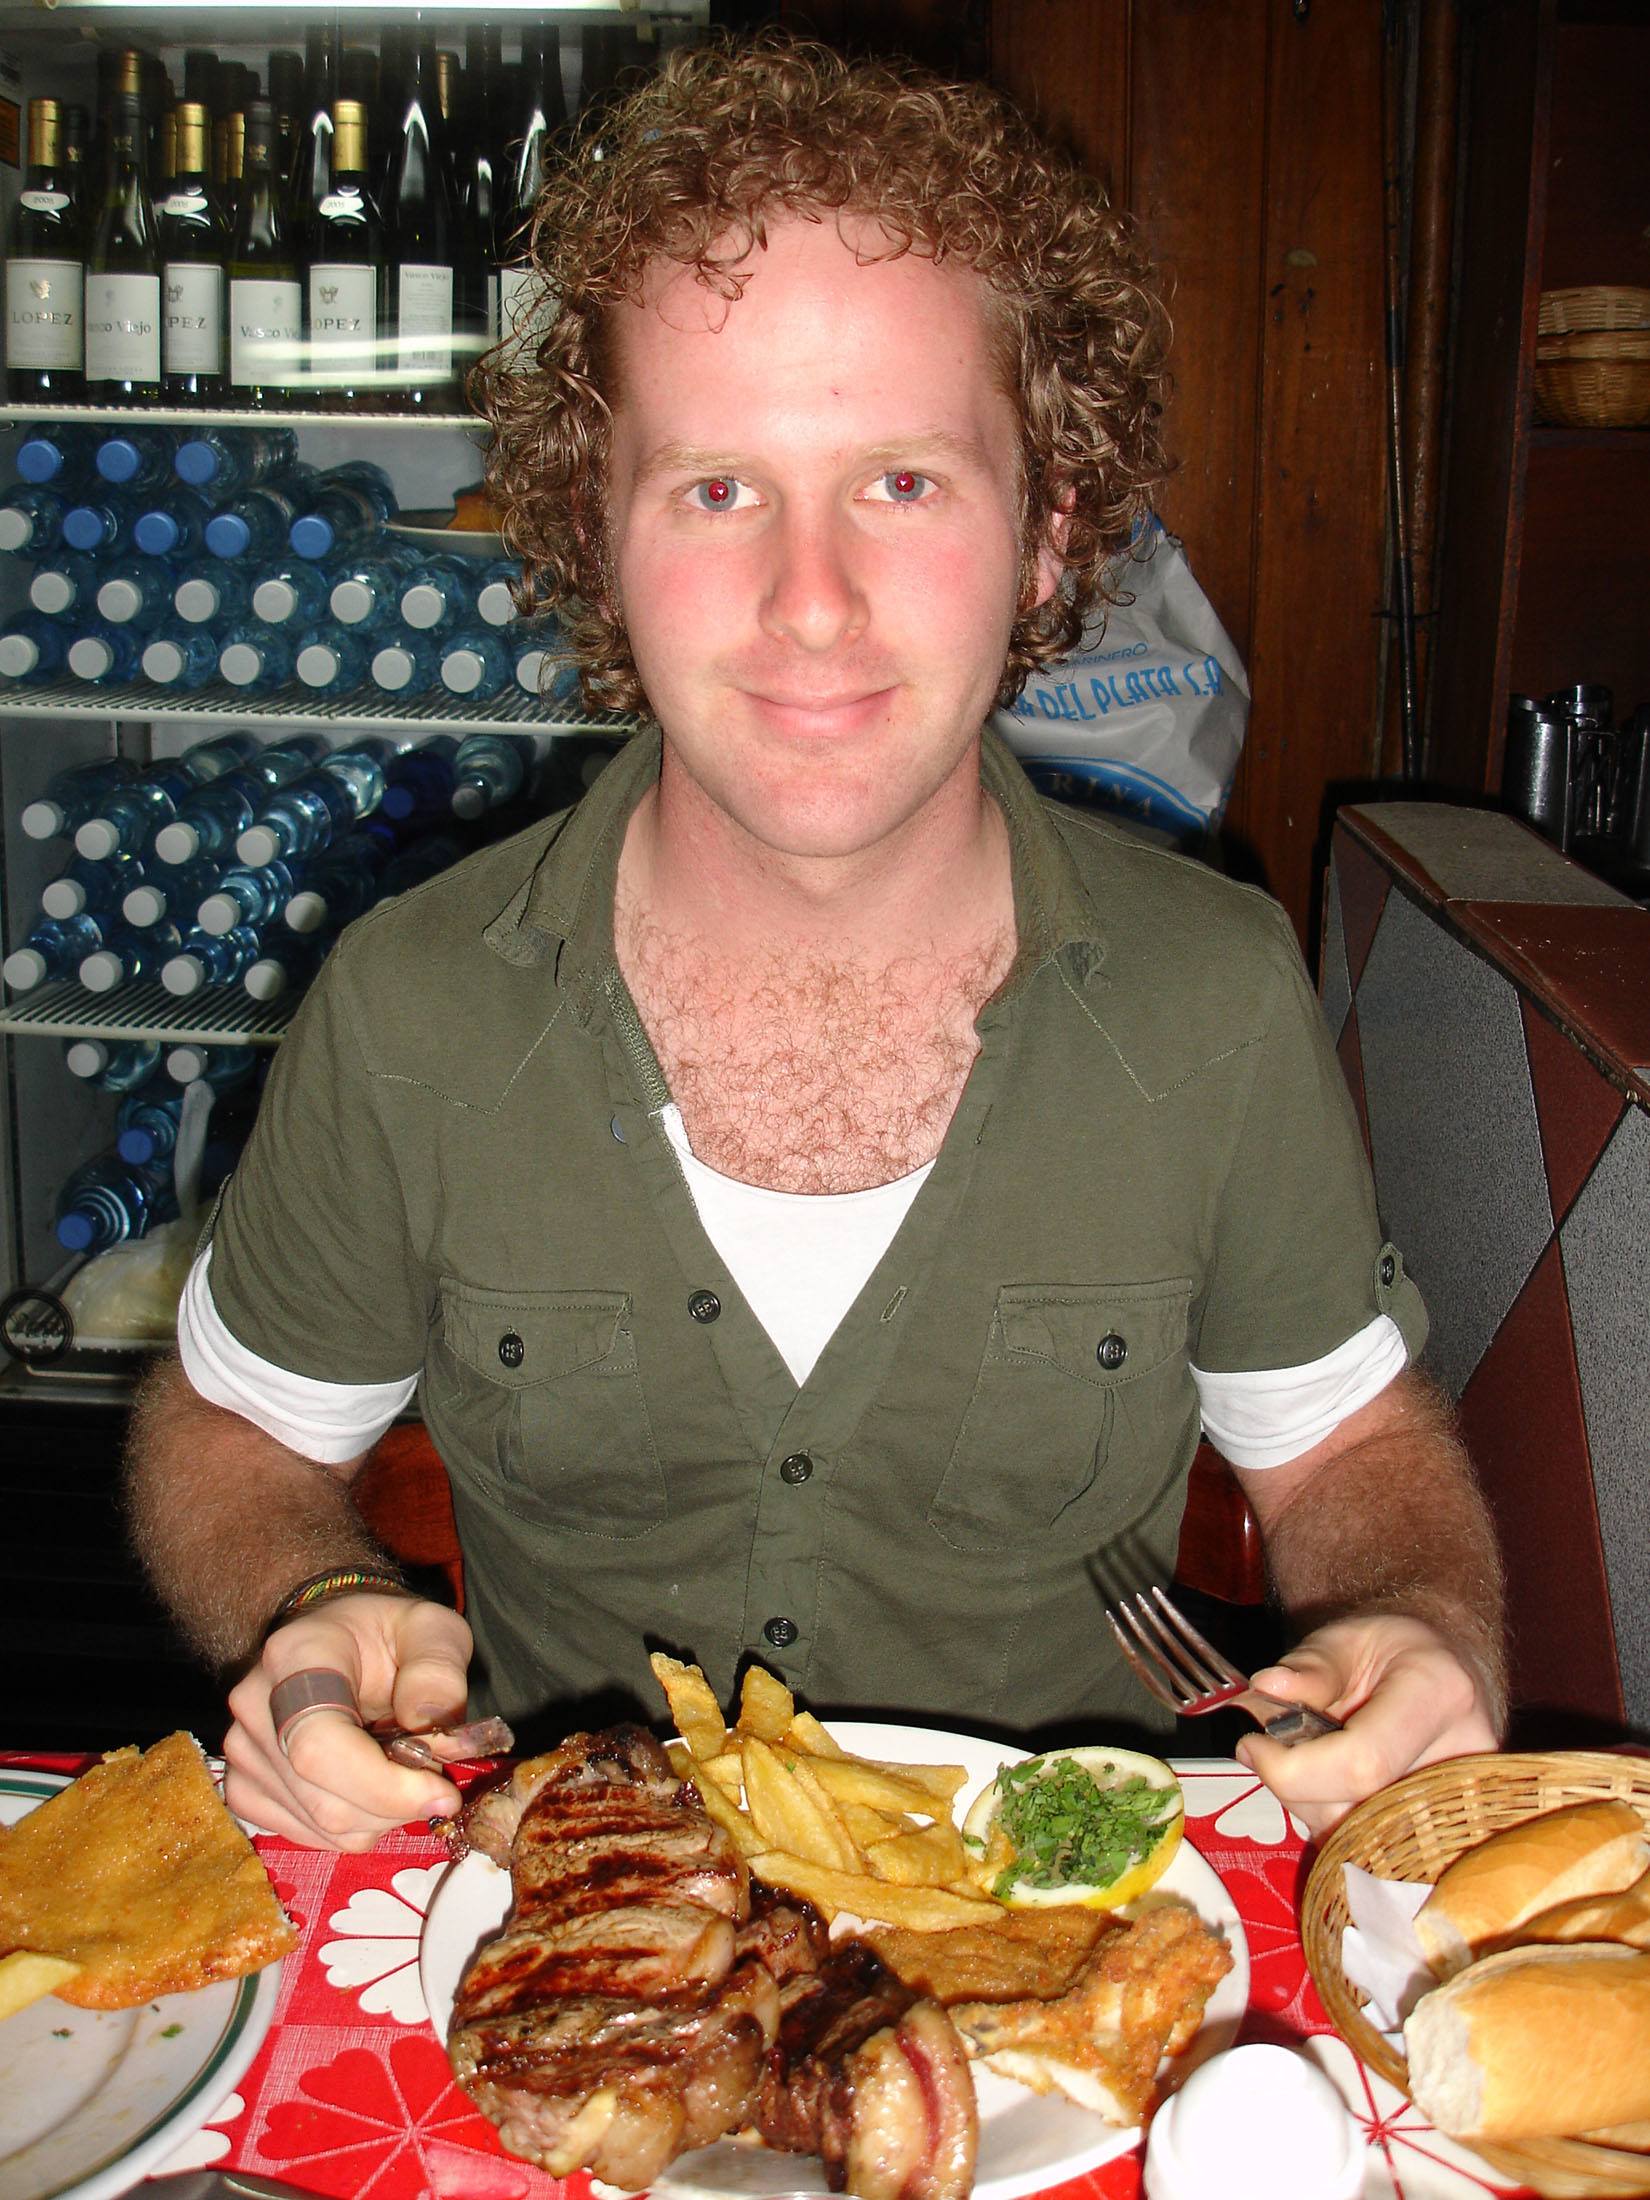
(1380, 1952)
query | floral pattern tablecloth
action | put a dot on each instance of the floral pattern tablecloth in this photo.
(351, 2094)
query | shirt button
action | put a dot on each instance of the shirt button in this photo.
(781, 1632)
(704, 1306)
(796, 1468)
(511, 1350)
(1389, 1269)
(1111, 1351)
(617, 1128)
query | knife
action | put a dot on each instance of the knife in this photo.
(223, 2184)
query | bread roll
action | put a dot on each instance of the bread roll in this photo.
(1624, 1917)
(1534, 2043)
(1485, 1895)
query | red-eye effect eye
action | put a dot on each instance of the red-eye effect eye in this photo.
(718, 492)
(905, 483)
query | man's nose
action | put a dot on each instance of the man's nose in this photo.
(814, 596)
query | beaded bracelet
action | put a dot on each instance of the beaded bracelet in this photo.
(338, 1581)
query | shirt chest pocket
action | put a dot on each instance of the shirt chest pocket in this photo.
(568, 1441)
(1062, 1367)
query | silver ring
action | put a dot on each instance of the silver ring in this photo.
(316, 1688)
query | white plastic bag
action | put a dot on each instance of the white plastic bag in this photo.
(1147, 718)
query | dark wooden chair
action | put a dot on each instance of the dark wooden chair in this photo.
(1220, 1549)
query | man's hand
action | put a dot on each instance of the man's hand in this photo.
(1407, 1697)
(406, 1660)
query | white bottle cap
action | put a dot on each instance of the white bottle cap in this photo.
(258, 845)
(85, 1058)
(240, 664)
(24, 968)
(51, 591)
(15, 529)
(185, 1064)
(20, 653)
(163, 661)
(461, 671)
(144, 905)
(90, 657)
(307, 912)
(496, 604)
(197, 600)
(178, 842)
(97, 839)
(469, 799)
(183, 975)
(274, 601)
(423, 605)
(218, 913)
(352, 602)
(317, 665)
(63, 897)
(267, 979)
(119, 600)
(392, 668)
(102, 971)
(1256, 2123)
(40, 820)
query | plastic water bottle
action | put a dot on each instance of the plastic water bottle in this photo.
(419, 782)
(489, 770)
(217, 755)
(291, 594)
(53, 949)
(366, 591)
(247, 894)
(209, 958)
(331, 660)
(172, 525)
(254, 525)
(107, 1200)
(224, 1068)
(101, 523)
(210, 591)
(31, 648)
(67, 584)
(83, 886)
(287, 962)
(128, 953)
(146, 1123)
(349, 506)
(118, 1066)
(179, 656)
(59, 456)
(255, 656)
(135, 592)
(495, 603)
(170, 895)
(208, 820)
(137, 458)
(437, 852)
(545, 675)
(228, 460)
(284, 761)
(107, 653)
(408, 666)
(437, 595)
(133, 814)
(32, 519)
(305, 817)
(477, 662)
(338, 885)
(73, 795)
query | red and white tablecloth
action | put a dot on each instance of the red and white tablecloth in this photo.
(351, 2094)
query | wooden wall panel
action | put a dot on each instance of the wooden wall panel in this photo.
(1068, 63)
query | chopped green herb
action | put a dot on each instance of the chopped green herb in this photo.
(1067, 1830)
(170, 2031)
(62, 2032)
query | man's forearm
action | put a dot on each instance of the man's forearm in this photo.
(225, 1519)
(1396, 1523)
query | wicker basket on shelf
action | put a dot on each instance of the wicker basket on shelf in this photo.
(1592, 356)
(1410, 1831)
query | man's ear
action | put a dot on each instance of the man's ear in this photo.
(1051, 549)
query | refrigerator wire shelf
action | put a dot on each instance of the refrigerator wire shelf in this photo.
(218, 1015)
(511, 711)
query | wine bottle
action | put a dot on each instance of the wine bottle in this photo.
(480, 182)
(543, 121)
(194, 238)
(265, 296)
(286, 96)
(123, 270)
(343, 243)
(45, 279)
(422, 235)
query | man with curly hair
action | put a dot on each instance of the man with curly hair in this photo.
(820, 1191)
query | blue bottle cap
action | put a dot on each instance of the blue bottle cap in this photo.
(39, 460)
(136, 1145)
(312, 536)
(74, 1231)
(156, 533)
(83, 527)
(118, 459)
(398, 802)
(227, 535)
(196, 462)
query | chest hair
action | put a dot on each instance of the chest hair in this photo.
(803, 1073)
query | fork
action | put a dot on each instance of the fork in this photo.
(1184, 1670)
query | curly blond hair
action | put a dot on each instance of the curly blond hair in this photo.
(690, 168)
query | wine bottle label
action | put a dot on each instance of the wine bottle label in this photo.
(192, 341)
(44, 327)
(263, 330)
(515, 299)
(424, 323)
(183, 203)
(122, 328)
(44, 202)
(492, 309)
(343, 323)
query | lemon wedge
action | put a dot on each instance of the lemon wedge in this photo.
(1093, 1826)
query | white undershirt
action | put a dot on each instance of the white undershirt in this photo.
(800, 1260)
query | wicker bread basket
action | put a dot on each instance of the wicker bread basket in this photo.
(1593, 306)
(1410, 1831)
(1592, 360)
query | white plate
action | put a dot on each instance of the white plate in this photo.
(93, 2099)
(423, 532)
(1028, 2141)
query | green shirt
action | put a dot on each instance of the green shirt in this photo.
(458, 1166)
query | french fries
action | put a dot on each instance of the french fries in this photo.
(852, 1835)
(26, 1976)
